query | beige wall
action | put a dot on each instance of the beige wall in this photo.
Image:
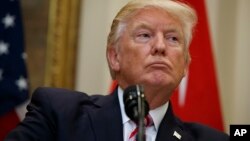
(230, 30)
(92, 72)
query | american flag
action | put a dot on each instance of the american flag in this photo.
(13, 73)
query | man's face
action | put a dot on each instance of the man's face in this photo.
(151, 51)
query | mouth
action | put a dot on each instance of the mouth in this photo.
(159, 65)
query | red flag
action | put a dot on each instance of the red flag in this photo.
(197, 98)
(8, 122)
(113, 86)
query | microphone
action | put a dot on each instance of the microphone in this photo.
(131, 98)
(136, 107)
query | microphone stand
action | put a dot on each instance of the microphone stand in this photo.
(141, 113)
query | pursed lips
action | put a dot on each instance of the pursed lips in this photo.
(159, 65)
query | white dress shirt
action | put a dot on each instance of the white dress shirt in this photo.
(128, 125)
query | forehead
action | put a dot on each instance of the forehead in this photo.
(152, 16)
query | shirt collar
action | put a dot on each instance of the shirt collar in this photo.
(125, 118)
(157, 114)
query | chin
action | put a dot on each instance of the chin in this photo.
(159, 79)
(158, 82)
(156, 79)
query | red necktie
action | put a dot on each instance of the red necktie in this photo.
(148, 122)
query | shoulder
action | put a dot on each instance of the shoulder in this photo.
(58, 98)
(62, 94)
(202, 132)
(57, 93)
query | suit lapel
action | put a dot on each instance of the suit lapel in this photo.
(107, 122)
(106, 119)
(172, 129)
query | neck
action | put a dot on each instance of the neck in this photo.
(156, 97)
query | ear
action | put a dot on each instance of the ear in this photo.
(113, 60)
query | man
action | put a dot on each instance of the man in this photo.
(147, 45)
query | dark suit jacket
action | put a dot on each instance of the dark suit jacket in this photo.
(64, 115)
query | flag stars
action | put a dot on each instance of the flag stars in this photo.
(22, 83)
(8, 21)
(24, 56)
(4, 48)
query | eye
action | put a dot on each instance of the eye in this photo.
(143, 37)
(173, 40)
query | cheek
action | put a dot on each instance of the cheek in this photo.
(132, 62)
(133, 52)
(133, 55)
(179, 61)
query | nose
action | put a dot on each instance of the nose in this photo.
(158, 47)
